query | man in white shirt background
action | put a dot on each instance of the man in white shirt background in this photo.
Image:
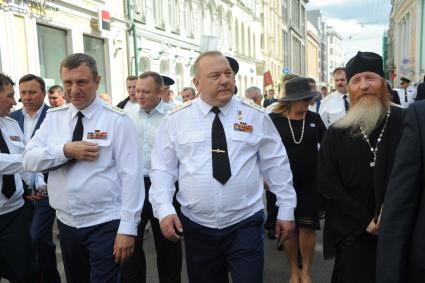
(335, 105)
(406, 93)
(56, 96)
(147, 118)
(32, 91)
(219, 147)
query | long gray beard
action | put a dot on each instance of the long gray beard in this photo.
(367, 113)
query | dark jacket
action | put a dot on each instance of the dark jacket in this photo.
(401, 245)
(420, 93)
(19, 116)
(123, 103)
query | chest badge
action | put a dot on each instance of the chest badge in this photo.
(312, 125)
(97, 135)
(242, 126)
(15, 138)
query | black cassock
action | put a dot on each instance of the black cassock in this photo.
(352, 193)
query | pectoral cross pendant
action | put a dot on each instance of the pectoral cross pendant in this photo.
(372, 164)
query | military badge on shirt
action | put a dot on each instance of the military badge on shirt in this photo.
(97, 135)
(242, 126)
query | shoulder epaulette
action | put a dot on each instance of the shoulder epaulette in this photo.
(10, 119)
(65, 106)
(181, 106)
(252, 104)
(114, 108)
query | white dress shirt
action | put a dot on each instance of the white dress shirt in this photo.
(12, 164)
(182, 151)
(130, 104)
(30, 122)
(87, 193)
(147, 125)
(409, 93)
(332, 108)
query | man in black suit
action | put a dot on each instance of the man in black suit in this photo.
(420, 92)
(401, 248)
(32, 90)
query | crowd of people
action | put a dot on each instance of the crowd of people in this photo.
(197, 170)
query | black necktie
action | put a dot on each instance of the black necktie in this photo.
(77, 135)
(9, 186)
(405, 95)
(346, 104)
(220, 157)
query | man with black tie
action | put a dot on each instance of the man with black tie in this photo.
(32, 91)
(406, 93)
(219, 147)
(89, 148)
(17, 262)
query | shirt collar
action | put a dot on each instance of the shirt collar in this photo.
(89, 111)
(206, 108)
(37, 114)
(161, 108)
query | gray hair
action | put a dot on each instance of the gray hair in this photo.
(200, 57)
(77, 59)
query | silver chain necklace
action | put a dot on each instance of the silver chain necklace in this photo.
(292, 131)
(365, 137)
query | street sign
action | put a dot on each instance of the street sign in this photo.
(285, 70)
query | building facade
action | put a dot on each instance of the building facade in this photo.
(169, 35)
(294, 36)
(334, 53)
(36, 35)
(406, 48)
(313, 52)
(316, 19)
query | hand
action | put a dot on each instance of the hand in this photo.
(171, 227)
(123, 247)
(81, 150)
(284, 229)
(373, 228)
(40, 194)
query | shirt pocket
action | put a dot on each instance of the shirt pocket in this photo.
(248, 138)
(191, 146)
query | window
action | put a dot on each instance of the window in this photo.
(95, 47)
(52, 50)
(157, 8)
(140, 9)
(331, 51)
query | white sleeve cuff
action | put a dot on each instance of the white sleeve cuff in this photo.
(285, 213)
(128, 228)
(165, 210)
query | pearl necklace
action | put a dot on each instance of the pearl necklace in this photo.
(292, 131)
(365, 137)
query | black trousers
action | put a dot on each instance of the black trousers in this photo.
(212, 253)
(42, 237)
(17, 261)
(169, 254)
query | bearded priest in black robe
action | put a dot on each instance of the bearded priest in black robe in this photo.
(355, 162)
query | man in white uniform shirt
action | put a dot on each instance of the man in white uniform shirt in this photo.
(147, 118)
(219, 147)
(406, 93)
(32, 90)
(94, 178)
(334, 106)
(17, 262)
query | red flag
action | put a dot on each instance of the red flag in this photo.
(267, 79)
